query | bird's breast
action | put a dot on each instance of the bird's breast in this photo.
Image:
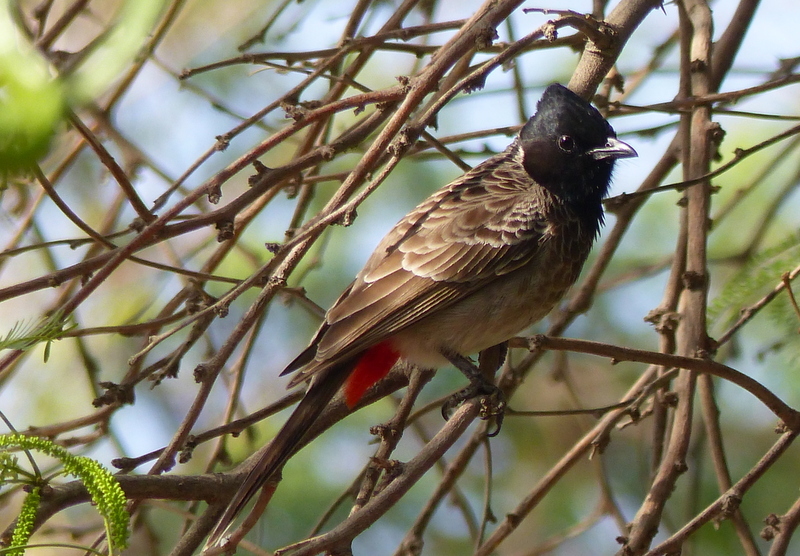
(499, 310)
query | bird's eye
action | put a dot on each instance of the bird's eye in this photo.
(566, 143)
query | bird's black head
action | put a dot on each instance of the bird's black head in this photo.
(570, 149)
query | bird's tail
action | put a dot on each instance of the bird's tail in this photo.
(322, 389)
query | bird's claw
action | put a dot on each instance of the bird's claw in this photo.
(492, 402)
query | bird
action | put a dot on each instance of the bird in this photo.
(480, 260)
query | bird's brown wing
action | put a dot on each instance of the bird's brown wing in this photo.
(487, 223)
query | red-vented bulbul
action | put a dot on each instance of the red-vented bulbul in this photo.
(477, 262)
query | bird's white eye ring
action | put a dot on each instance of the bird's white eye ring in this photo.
(566, 143)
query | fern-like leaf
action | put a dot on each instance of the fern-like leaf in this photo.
(99, 481)
(757, 279)
(25, 522)
(24, 336)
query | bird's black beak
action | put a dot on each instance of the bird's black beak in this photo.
(613, 149)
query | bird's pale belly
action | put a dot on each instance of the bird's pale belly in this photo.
(487, 317)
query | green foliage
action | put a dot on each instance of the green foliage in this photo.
(31, 103)
(24, 336)
(755, 280)
(8, 467)
(103, 488)
(112, 54)
(25, 521)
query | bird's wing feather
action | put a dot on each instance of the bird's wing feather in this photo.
(485, 224)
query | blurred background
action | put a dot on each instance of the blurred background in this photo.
(161, 87)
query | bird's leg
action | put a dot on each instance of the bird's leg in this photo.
(491, 359)
(492, 398)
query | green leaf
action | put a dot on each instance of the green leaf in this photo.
(101, 484)
(25, 522)
(24, 336)
(754, 281)
(31, 99)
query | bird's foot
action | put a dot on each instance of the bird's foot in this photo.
(492, 401)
